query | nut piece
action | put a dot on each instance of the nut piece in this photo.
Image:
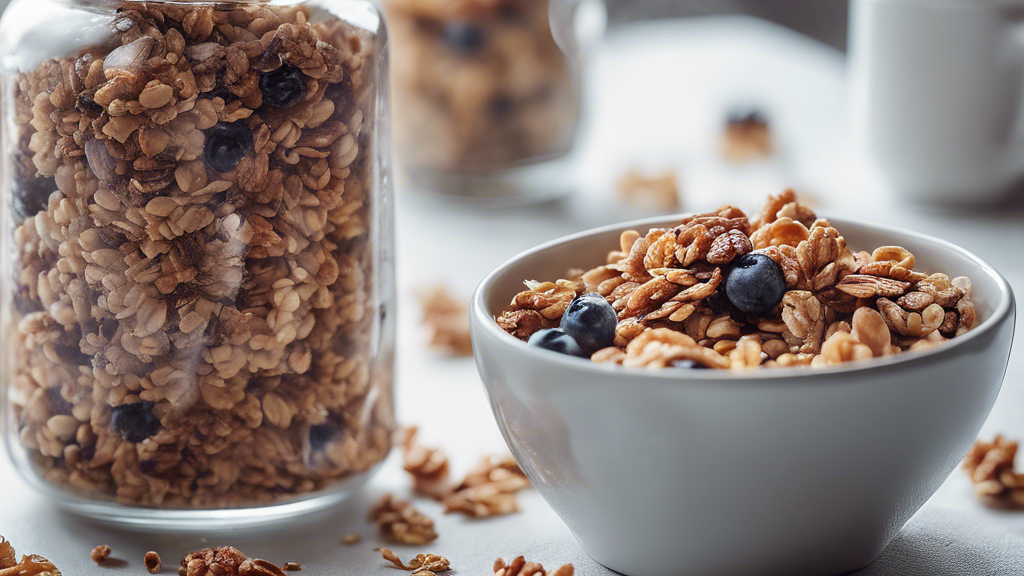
(657, 193)
(7, 555)
(152, 562)
(489, 489)
(30, 565)
(447, 319)
(520, 567)
(428, 467)
(421, 565)
(259, 567)
(401, 522)
(351, 538)
(990, 466)
(100, 553)
(870, 329)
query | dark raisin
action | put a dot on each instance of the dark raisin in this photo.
(321, 435)
(71, 355)
(31, 196)
(134, 422)
(226, 144)
(283, 87)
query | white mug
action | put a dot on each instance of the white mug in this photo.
(936, 94)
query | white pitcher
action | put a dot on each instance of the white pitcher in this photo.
(936, 95)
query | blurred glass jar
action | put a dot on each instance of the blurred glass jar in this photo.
(486, 88)
(197, 255)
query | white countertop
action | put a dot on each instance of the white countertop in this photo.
(659, 94)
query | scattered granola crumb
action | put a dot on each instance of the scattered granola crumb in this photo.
(520, 567)
(653, 192)
(258, 567)
(223, 561)
(30, 565)
(990, 466)
(447, 318)
(351, 538)
(152, 562)
(421, 565)
(401, 522)
(428, 467)
(489, 489)
(100, 553)
(746, 137)
(292, 566)
(7, 556)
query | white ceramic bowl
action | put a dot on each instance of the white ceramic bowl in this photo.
(720, 473)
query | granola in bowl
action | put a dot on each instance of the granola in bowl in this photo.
(724, 291)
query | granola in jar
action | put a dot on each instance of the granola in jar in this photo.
(480, 85)
(724, 291)
(197, 250)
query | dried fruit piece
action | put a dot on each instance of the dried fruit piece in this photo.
(226, 144)
(755, 284)
(282, 87)
(590, 320)
(134, 422)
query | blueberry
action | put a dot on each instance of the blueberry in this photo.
(687, 364)
(591, 321)
(321, 435)
(464, 37)
(755, 284)
(751, 116)
(557, 341)
(134, 422)
(226, 144)
(31, 196)
(283, 87)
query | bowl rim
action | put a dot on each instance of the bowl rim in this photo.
(481, 320)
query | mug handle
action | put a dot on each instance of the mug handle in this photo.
(1013, 12)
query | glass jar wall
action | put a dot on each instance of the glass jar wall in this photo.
(197, 275)
(484, 87)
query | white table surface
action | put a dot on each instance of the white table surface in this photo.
(658, 96)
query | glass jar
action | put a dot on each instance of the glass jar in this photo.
(486, 91)
(197, 261)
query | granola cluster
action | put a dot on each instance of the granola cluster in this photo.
(479, 84)
(30, 565)
(421, 565)
(225, 561)
(447, 319)
(659, 192)
(195, 317)
(400, 521)
(489, 489)
(990, 466)
(520, 567)
(666, 288)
